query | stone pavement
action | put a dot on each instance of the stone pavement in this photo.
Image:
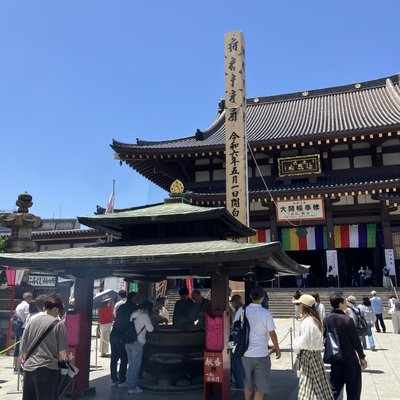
(380, 381)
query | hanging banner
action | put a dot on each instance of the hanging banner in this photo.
(332, 263)
(389, 260)
(235, 127)
(300, 210)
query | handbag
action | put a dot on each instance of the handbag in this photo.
(333, 352)
(239, 336)
(67, 374)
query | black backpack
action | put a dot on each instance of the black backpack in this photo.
(130, 332)
(361, 324)
(240, 335)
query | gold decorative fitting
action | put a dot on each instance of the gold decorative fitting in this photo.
(362, 137)
(116, 156)
(345, 139)
(371, 136)
(389, 134)
(379, 135)
(256, 100)
(305, 94)
(353, 138)
(176, 187)
(357, 85)
(327, 141)
(294, 144)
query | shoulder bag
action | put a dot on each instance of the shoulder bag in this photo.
(333, 352)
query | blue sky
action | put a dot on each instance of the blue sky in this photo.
(76, 74)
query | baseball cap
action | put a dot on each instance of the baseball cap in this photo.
(373, 292)
(305, 299)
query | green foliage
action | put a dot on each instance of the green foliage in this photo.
(3, 242)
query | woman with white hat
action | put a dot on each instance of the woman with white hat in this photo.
(314, 384)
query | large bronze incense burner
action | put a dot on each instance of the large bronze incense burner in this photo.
(173, 356)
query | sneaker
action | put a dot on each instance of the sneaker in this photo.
(136, 390)
(373, 348)
(123, 385)
(114, 383)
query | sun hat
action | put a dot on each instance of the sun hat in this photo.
(305, 299)
(352, 300)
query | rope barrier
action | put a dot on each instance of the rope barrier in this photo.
(104, 341)
(284, 337)
(8, 348)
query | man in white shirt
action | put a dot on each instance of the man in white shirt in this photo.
(256, 360)
(21, 311)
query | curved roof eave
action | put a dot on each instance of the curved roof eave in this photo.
(349, 110)
(158, 258)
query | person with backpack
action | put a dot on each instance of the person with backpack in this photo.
(394, 311)
(355, 314)
(366, 311)
(256, 360)
(135, 339)
(117, 340)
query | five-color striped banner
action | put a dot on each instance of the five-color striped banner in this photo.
(346, 236)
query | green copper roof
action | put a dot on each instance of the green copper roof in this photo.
(161, 259)
(173, 211)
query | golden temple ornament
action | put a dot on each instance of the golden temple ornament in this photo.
(176, 187)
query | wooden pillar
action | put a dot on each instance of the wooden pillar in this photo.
(386, 227)
(329, 225)
(83, 306)
(219, 292)
(220, 308)
(272, 222)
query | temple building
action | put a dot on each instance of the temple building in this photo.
(323, 175)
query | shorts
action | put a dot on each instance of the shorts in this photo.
(257, 373)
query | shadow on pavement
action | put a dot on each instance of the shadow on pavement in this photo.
(284, 385)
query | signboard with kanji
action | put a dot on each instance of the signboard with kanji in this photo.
(299, 165)
(42, 280)
(213, 367)
(235, 126)
(300, 210)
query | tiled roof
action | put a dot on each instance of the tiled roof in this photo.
(323, 184)
(347, 110)
(141, 259)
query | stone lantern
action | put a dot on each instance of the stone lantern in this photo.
(21, 223)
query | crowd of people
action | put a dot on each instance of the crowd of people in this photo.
(124, 326)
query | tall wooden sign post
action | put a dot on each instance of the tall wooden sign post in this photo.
(216, 355)
(235, 125)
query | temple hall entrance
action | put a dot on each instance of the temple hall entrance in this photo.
(350, 261)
